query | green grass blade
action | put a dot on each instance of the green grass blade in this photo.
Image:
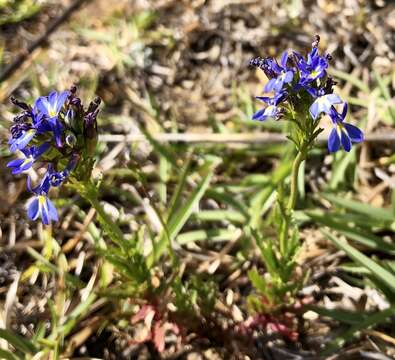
(365, 209)
(351, 79)
(365, 238)
(18, 342)
(220, 215)
(211, 235)
(344, 316)
(71, 279)
(377, 271)
(7, 355)
(181, 216)
(369, 321)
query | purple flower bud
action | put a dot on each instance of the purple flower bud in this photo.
(20, 104)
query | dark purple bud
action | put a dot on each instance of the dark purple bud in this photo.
(94, 105)
(75, 102)
(18, 128)
(90, 125)
(20, 104)
(328, 88)
(256, 62)
(22, 117)
(90, 132)
(73, 90)
(265, 64)
(316, 41)
(72, 162)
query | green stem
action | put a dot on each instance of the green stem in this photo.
(294, 181)
(291, 203)
(89, 192)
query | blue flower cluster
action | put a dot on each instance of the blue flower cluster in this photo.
(297, 81)
(55, 131)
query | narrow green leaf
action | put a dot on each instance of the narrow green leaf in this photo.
(339, 168)
(71, 279)
(371, 320)
(18, 342)
(257, 281)
(378, 271)
(363, 237)
(365, 209)
(177, 221)
(212, 235)
(220, 215)
(344, 316)
(7, 355)
(351, 79)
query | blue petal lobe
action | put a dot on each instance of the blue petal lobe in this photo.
(314, 108)
(355, 134)
(52, 212)
(333, 141)
(346, 141)
(33, 209)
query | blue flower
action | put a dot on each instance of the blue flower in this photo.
(312, 69)
(283, 75)
(50, 107)
(30, 156)
(343, 134)
(42, 128)
(52, 104)
(21, 140)
(272, 110)
(323, 104)
(56, 178)
(40, 205)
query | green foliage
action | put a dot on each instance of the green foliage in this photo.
(359, 222)
(13, 11)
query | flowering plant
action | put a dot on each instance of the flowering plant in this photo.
(59, 133)
(302, 93)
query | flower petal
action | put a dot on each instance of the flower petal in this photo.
(288, 76)
(258, 114)
(52, 212)
(314, 109)
(269, 86)
(333, 99)
(23, 140)
(345, 140)
(355, 134)
(33, 208)
(344, 112)
(42, 105)
(333, 141)
(62, 97)
(284, 59)
(15, 163)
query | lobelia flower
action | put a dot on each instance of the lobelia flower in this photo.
(57, 130)
(272, 110)
(30, 156)
(40, 205)
(342, 134)
(282, 74)
(22, 132)
(312, 69)
(323, 104)
(49, 108)
(307, 90)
